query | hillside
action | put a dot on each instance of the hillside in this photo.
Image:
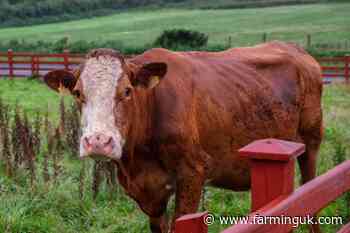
(325, 22)
(28, 12)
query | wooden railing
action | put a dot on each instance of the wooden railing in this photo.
(272, 169)
(28, 64)
(335, 67)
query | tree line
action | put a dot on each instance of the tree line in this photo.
(22, 12)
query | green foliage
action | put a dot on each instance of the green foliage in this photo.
(27, 12)
(80, 46)
(181, 38)
(328, 53)
(60, 45)
(337, 135)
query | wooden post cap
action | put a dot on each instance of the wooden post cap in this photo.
(272, 149)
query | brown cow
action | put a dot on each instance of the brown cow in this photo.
(173, 121)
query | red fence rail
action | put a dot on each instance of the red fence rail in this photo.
(272, 164)
(28, 64)
(335, 67)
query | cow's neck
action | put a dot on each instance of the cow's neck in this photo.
(138, 144)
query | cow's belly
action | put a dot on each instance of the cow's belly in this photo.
(223, 134)
(230, 173)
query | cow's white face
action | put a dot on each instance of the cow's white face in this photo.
(100, 134)
(105, 89)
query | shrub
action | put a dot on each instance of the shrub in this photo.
(179, 38)
(60, 45)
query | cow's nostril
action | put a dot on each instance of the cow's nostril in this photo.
(86, 141)
(98, 144)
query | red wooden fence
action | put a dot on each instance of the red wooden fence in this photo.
(335, 67)
(272, 164)
(28, 64)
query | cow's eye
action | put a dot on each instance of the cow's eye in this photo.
(127, 92)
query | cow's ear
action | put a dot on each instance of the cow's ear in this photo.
(60, 80)
(149, 75)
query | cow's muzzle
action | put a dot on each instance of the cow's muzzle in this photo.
(98, 146)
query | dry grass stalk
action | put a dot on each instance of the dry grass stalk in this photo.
(6, 153)
(57, 150)
(72, 129)
(82, 180)
(96, 178)
(46, 174)
(29, 154)
(17, 146)
(37, 133)
(62, 116)
(3, 112)
(5, 131)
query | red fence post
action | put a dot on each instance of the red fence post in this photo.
(272, 169)
(37, 63)
(10, 62)
(192, 223)
(66, 59)
(32, 65)
(347, 68)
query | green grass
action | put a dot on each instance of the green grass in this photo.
(326, 22)
(57, 208)
(24, 12)
(31, 95)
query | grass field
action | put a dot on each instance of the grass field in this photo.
(56, 207)
(325, 22)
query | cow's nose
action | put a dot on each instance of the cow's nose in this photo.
(98, 146)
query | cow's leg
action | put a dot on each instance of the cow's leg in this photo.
(312, 137)
(159, 224)
(307, 164)
(189, 184)
(188, 194)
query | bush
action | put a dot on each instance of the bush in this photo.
(60, 45)
(181, 38)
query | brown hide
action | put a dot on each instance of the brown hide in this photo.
(185, 132)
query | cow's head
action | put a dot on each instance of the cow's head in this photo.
(105, 87)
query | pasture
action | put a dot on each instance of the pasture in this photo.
(325, 22)
(57, 205)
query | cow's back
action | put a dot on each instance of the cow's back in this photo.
(223, 101)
